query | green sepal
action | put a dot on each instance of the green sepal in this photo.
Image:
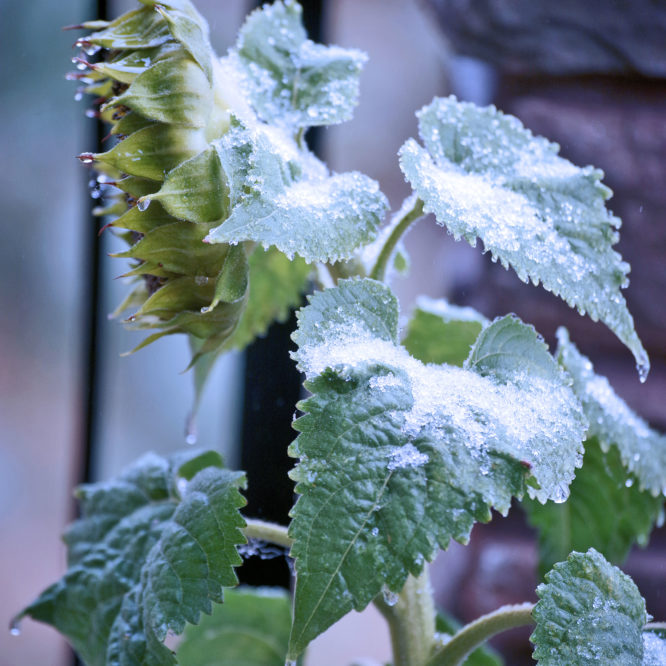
(155, 546)
(144, 221)
(138, 29)
(131, 122)
(196, 190)
(192, 34)
(174, 90)
(233, 280)
(128, 65)
(136, 186)
(589, 613)
(177, 248)
(439, 332)
(153, 151)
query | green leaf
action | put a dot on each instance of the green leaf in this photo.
(613, 423)
(155, 546)
(589, 613)
(153, 151)
(283, 196)
(398, 457)
(482, 656)
(292, 80)
(277, 285)
(439, 332)
(605, 510)
(174, 90)
(251, 628)
(195, 190)
(484, 175)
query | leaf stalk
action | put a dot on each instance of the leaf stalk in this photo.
(478, 632)
(265, 531)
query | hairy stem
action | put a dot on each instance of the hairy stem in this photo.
(260, 529)
(400, 223)
(411, 621)
(478, 632)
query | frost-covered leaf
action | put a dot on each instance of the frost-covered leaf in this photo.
(251, 628)
(613, 423)
(398, 457)
(139, 29)
(286, 198)
(484, 175)
(155, 546)
(289, 78)
(606, 510)
(589, 613)
(654, 649)
(439, 332)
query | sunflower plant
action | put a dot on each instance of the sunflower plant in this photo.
(410, 433)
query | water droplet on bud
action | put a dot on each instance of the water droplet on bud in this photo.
(14, 628)
(390, 598)
(143, 203)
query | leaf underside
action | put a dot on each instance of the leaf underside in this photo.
(484, 175)
(154, 548)
(398, 457)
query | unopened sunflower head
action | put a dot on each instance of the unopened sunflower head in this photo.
(215, 190)
(158, 85)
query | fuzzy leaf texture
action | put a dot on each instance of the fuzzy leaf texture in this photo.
(292, 80)
(251, 628)
(288, 199)
(589, 613)
(398, 457)
(485, 175)
(155, 547)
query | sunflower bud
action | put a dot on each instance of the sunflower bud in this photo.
(155, 79)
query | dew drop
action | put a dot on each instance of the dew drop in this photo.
(643, 367)
(628, 483)
(78, 96)
(14, 628)
(200, 280)
(205, 309)
(390, 598)
(191, 430)
(86, 158)
(91, 113)
(143, 203)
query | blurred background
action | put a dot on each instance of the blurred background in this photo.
(591, 76)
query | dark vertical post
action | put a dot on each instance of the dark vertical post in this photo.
(92, 316)
(272, 388)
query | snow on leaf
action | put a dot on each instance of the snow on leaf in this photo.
(155, 546)
(484, 175)
(613, 423)
(398, 457)
(589, 613)
(283, 196)
(290, 79)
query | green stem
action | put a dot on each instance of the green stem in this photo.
(411, 621)
(400, 223)
(478, 632)
(260, 529)
(651, 626)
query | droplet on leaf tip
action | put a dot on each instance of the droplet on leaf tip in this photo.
(143, 203)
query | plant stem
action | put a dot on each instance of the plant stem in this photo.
(478, 632)
(411, 621)
(271, 532)
(400, 223)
